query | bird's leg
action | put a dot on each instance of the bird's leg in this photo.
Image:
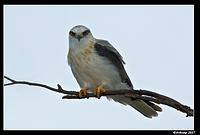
(99, 90)
(84, 91)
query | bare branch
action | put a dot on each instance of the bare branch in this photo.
(148, 96)
(59, 89)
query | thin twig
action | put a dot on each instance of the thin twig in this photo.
(146, 95)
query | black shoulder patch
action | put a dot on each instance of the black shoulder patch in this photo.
(107, 52)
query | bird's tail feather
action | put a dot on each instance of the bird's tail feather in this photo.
(137, 104)
(143, 108)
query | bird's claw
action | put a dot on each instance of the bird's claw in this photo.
(84, 91)
(98, 91)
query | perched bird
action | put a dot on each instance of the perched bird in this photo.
(98, 66)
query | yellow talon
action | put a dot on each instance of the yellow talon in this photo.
(84, 91)
(98, 91)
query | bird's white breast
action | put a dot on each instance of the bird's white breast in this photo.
(90, 69)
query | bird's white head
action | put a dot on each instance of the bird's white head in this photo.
(79, 35)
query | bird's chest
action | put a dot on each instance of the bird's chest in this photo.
(91, 69)
(87, 63)
(81, 58)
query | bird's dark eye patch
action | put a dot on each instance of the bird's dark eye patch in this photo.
(86, 32)
(72, 33)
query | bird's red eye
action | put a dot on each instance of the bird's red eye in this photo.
(72, 33)
(86, 32)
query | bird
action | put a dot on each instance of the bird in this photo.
(98, 67)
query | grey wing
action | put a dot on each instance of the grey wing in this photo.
(109, 46)
(105, 49)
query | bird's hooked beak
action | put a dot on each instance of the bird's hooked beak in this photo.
(79, 37)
